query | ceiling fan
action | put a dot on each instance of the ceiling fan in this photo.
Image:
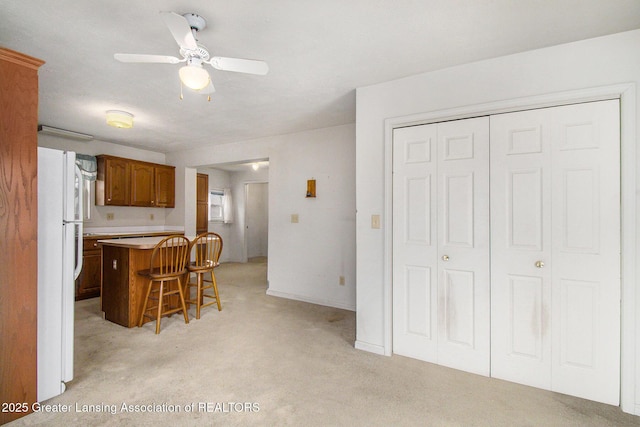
(184, 29)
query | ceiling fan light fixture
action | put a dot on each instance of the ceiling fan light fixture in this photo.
(194, 76)
(119, 119)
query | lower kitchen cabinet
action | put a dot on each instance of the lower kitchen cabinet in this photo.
(88, 282)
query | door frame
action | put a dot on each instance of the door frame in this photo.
(626, 94)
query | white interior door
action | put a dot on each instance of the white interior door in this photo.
(441, 244)
(555, 249)
(463, 245)
(415, 243)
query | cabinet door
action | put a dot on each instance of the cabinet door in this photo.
(165, 186)
(142, 184)
(88, 283)
(116, 182)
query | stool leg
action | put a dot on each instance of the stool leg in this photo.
(184, 307)
(160, 303)
(198, 294)
(146, 302)
(215, 290)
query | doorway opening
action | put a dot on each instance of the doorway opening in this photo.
(256, 236)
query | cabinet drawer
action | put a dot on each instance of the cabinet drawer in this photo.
(89, 245)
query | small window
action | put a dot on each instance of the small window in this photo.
(216, 207)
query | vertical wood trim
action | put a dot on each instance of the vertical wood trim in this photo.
(202, 203)
(18, 228)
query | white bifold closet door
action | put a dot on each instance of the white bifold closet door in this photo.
(441, 286)
(555, 249)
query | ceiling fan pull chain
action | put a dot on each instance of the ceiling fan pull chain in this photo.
(181, 97)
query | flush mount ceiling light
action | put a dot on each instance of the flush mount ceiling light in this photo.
(255, 166)
(193, 75)
(119, 119)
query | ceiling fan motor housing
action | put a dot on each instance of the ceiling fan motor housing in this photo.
(196, 22)
(201, 52)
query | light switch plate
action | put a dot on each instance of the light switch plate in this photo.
(375, 221)
(294, 218)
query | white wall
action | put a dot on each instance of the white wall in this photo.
(306, 259)
(123, 216)
(548, 73)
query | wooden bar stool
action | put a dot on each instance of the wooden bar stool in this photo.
(168, 264)
(205, 250)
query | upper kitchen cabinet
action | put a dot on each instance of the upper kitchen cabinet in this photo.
(125, 182)
(165, 178)
(142, 184)
(114, 182)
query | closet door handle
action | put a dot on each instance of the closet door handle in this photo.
(539, 264)
(445, 257)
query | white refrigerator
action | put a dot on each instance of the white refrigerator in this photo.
(59, 264)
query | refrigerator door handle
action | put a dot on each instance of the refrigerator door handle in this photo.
(78, 268)
(78, 224)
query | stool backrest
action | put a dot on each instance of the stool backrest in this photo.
(206, 250)
(170, 256)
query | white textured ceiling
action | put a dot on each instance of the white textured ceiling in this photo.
(318, 53)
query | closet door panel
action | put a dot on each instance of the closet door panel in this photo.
(586, 250)
(520, 237)
(564, 234)
(463, 249)
(414, 243)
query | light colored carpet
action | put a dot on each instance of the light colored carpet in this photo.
(274, 362)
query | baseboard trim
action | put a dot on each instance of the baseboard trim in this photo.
(371, 348)
(326, 303)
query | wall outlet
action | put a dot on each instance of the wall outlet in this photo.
(341, 281)
(375, 221)
(110, 216)
(151, 217)
(294, 218)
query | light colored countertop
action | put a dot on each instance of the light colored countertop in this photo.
(140, 231)
(135, 242)
(114, 235)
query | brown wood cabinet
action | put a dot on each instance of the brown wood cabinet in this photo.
(114, 181)
(202, 203)
(19, 231)
(142, 184)
(123, 289)
(88, 282)
(165, 178)
(126, 182)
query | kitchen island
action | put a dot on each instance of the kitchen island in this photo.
(89, 281)
(123, 289)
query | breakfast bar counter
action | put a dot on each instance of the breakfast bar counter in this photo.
(123, 289)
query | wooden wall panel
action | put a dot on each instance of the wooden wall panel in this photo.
(202, 203)
(18, 229)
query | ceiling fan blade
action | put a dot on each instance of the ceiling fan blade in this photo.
(133, 57)
(249, 66)
(180, 30)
